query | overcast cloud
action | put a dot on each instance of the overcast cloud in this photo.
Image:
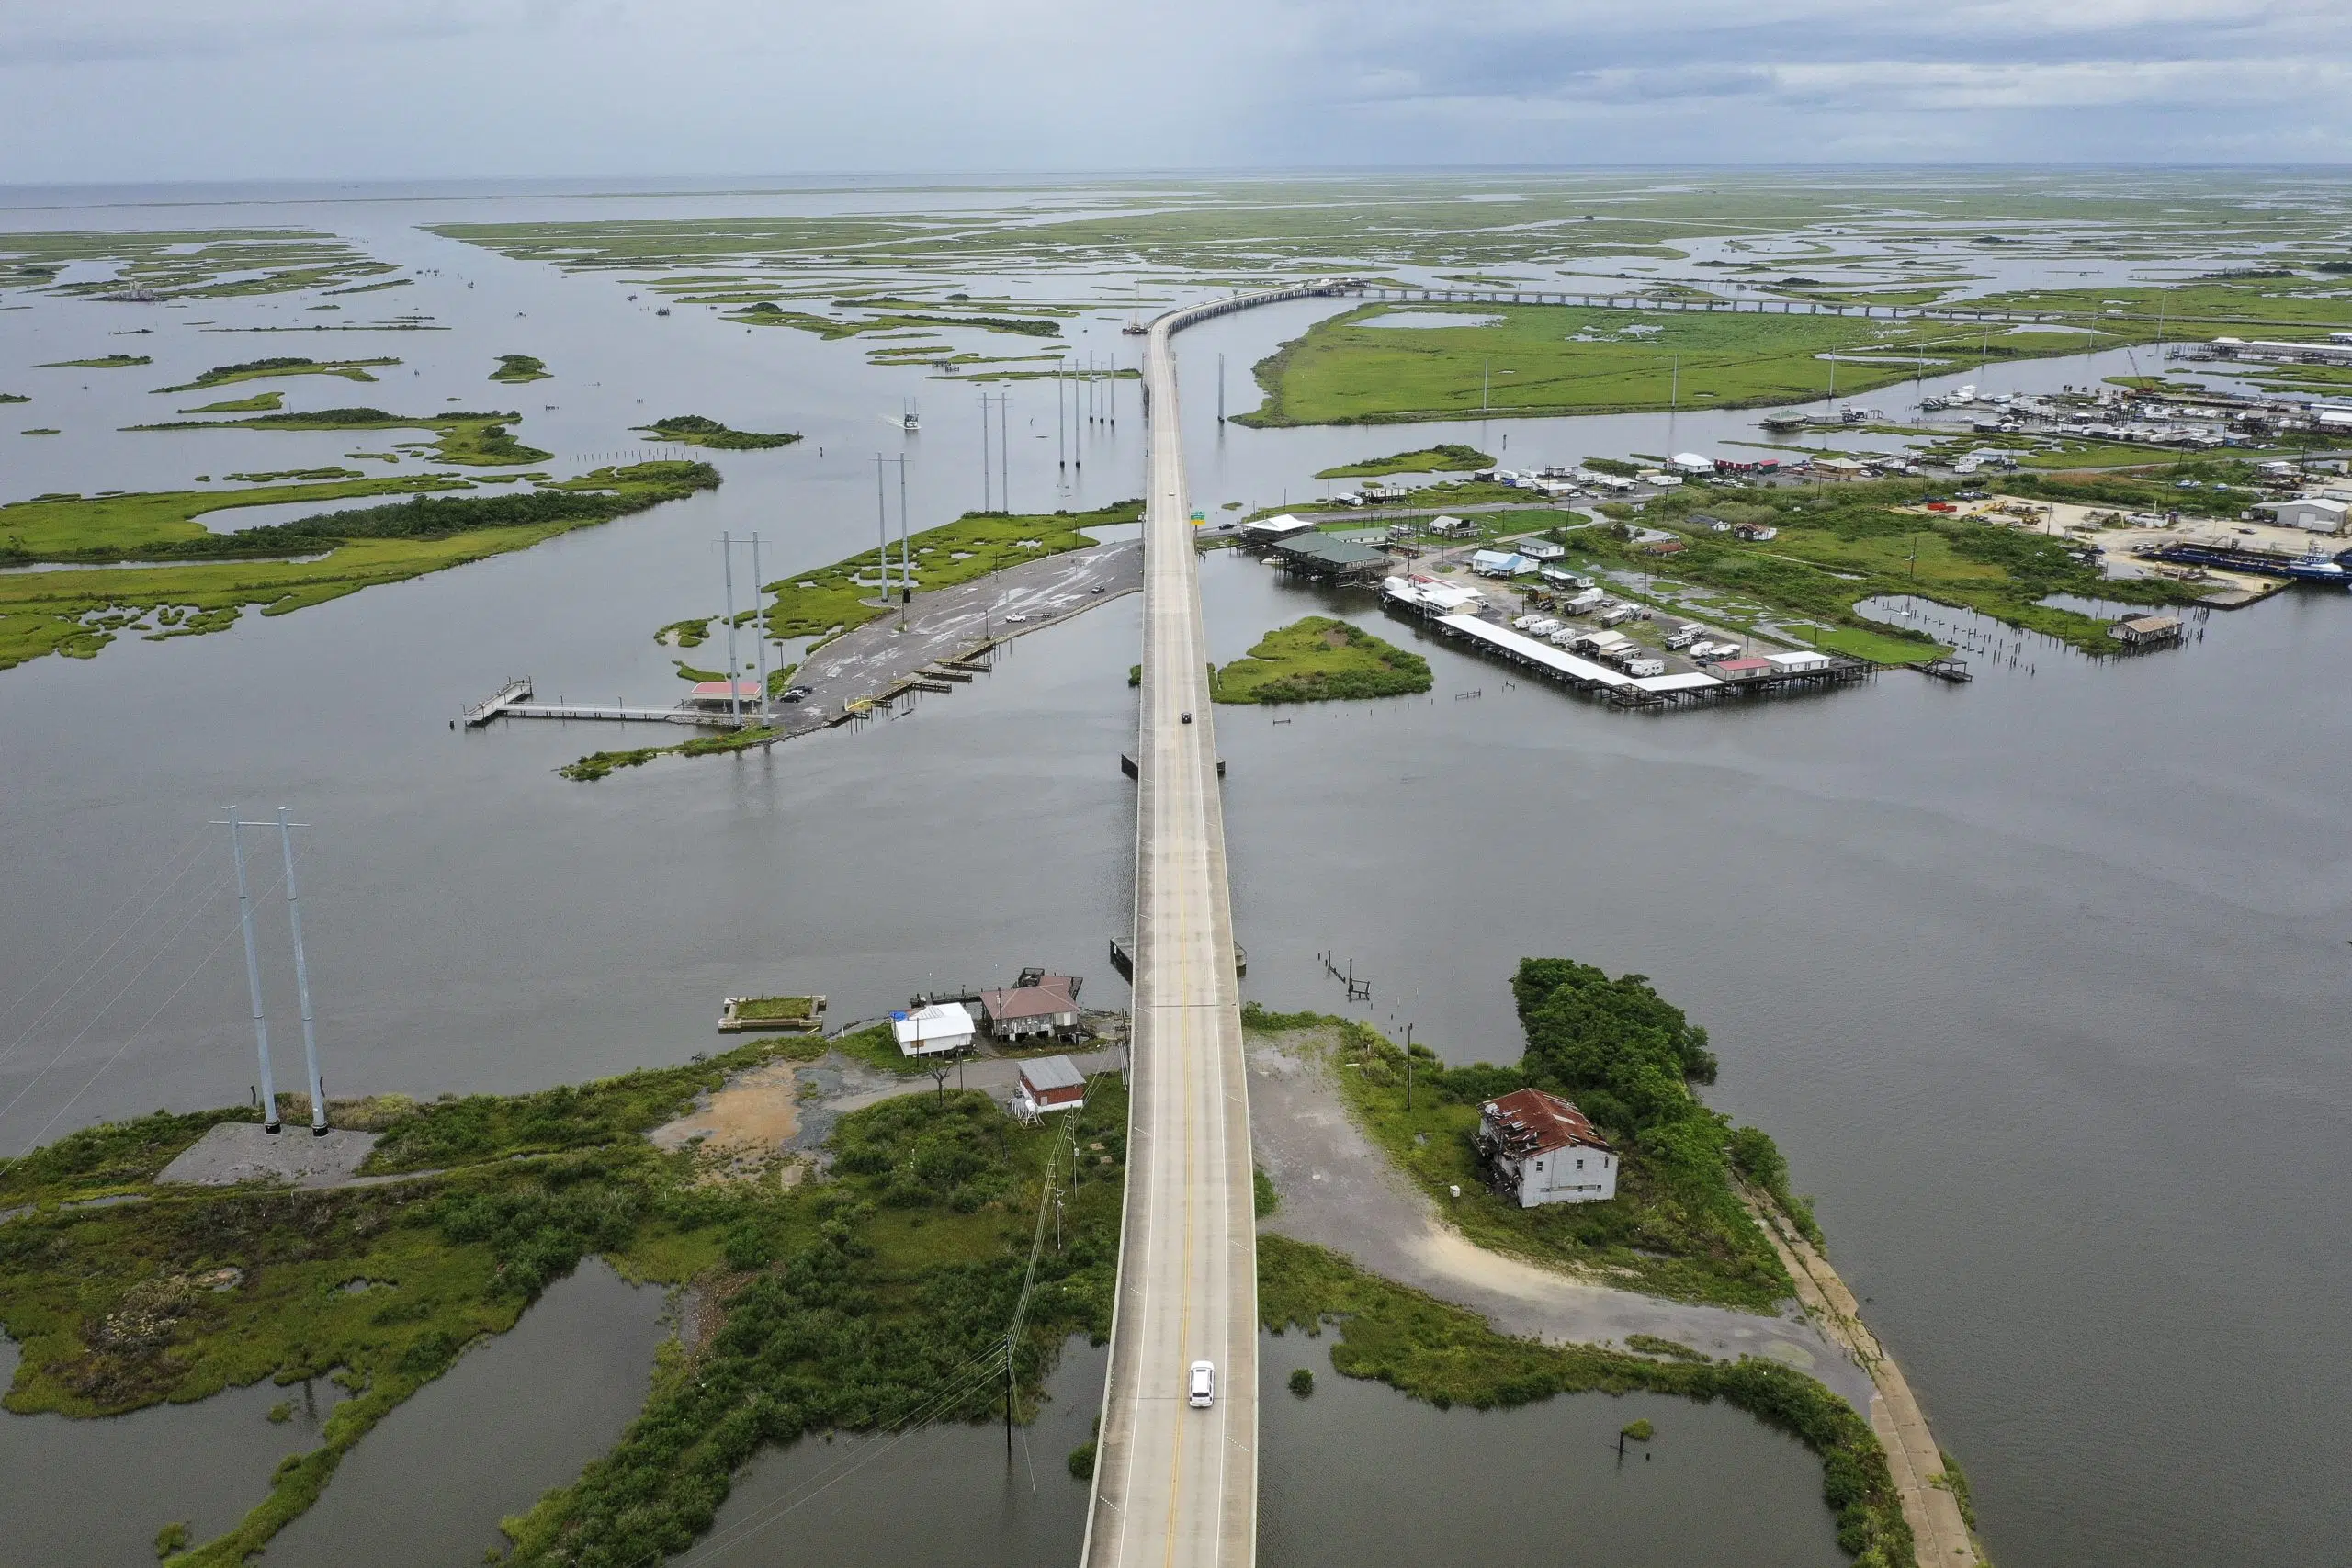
(146, 89)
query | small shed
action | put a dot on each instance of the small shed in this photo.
(940, 1029)
(715, 696)
(1753, 532)
(1049, 1083)
(2146, 631)
(1541, 549)
(1694, 463)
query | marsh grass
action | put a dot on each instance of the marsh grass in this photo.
(1319, 659)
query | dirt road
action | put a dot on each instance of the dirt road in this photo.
(1338, 1191)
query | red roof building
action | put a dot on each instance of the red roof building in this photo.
(1539, 1148)
(1038, 1003)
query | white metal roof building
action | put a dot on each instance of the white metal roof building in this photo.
(2319, 515)
(931, 1031)
(1268, 529)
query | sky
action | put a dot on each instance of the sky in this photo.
(142, 90)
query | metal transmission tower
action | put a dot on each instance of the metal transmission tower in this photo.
(734, 665)
(267, 1089)
(1002, 403)
(882, 520)
(759, 629)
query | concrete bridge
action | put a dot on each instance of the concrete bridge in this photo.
(1759, 305)
(1176, 1485)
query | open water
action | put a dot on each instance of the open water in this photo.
(2040, 982)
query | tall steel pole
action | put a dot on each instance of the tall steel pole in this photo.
(1004, 445)
(1220, 388)
(302, 982)
(760, 630)
(734, 665)
(882, 526)
(984, 454)
(252, 978)
(1061, 448)
(906, 556)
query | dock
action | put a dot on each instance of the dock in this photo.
(621, 713)
(1654, 693)
(1946, 669)
(517, 689)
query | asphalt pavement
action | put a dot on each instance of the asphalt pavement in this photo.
(1176, 1485)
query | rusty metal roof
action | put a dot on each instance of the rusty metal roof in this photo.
(1529, 1121)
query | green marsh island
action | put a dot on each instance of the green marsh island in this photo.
(202, 582)
(104, 362)
(1452, 457)
(694, 430)
(1320, 659)
(517, 368)
(1541, 360)
(482, 440)
(264, 369)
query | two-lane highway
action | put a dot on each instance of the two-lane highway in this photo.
(1175, 1484)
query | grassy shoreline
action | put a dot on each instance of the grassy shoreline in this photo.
(1543, 361)
(841, 1305)
(1319, 659)
(1447, 1356)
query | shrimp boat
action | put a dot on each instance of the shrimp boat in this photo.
(908, 422)
(1135, 327)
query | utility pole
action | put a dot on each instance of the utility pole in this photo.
(1486, 380)
(301, 981)
(985, 486)
(1061, 448)
(760, 630)
(734, 665)
(1674, 392)
(1220, 388)
(906, 556)
(1408, 1069)
(882, 524)
(1003, 447)
(253, 979)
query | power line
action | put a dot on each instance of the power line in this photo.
(59, 1002)
(133, 1039)
(914, 1422)
(136, 976)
